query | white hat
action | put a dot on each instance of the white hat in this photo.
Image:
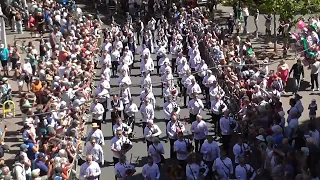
(260, 137)
(1, 46)
(209, 71)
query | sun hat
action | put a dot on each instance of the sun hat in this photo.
(95, 125)
(260, 138)
(35, 173)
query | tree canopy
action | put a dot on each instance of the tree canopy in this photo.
(287, 9)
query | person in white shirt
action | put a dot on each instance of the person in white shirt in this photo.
(225, 125)
(222, 166)
(195, 105)
(207, 81)
(210, 151)
(105, 59)
(146, 81)
(90, 169)
(119, 125)
(193, 88)
(151, 171)
(244, 170)
(186, 81)
(167, 77)
(147, 64)
(97, 111)
(196, 169)
(169, 108)
(217, 108)
(120, 145)
(175, 49)
(145, 51)
(115, 58)
(182, 69)
(27, 72)
(96, 151)
(174, 126)
(147, 93)
(199, 130)
(161, 52)
(194, 60)
(130, 111)
(96, 133)
(181, 149)
(240, 149)
(156, 151)
(150, 131)
(122, 167)
(202, 70)
(147, 112)
(103, 95)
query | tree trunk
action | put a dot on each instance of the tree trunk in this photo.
(275, 32)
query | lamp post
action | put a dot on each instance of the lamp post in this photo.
(3, 37)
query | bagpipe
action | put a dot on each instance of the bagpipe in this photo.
(126, 145)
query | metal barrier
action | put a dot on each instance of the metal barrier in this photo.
(8, 107)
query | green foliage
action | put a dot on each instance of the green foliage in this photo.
(287, 9)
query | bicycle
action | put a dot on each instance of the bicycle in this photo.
(20, 45)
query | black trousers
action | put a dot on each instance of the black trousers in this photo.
(148, 144)
(184, 94)
(192, 118)
(173, 63)
(173, 154)
(216, 122)
(144, 124)
(105, 106)
(226, 139)
(198, 144)
(207, 96)
(115, 160)
(210, 174)
(98, 122)
(314, 81)
(114, 67)
(180, 84)
(158, 67)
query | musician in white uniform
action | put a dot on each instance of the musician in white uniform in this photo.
(167, 77)
(215, 89)
(147, 112)
(240, 149)
(124, 83)
(96, 151)
(173, 127)
(130, 111)
(243, 170)
(120, 125)
(90, 169)
(207, 81)
(226, 129)
(156, 150)
(116, 109)
(180, 147)
(123, 169)
(199, 130)
(217, 108)
(103, 95)
(120, 145)
(196, 169)
(222, 167)
(151, 171)
(147, 93)
(97, 111)
(201, 69)
(146, 81)
(195, 105)
(192, 88)
(186, 81)
(182, 69)
(210, 151)
(147, 64)
(161, 53)
(150, 131)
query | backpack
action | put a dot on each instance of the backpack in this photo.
(13, 173)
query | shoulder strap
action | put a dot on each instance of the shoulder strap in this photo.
(192, 172)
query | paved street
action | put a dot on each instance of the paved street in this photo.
(138, 151)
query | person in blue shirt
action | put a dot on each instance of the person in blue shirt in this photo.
(4, 56)
(40, 164)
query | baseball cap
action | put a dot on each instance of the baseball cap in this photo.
(24, 146)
